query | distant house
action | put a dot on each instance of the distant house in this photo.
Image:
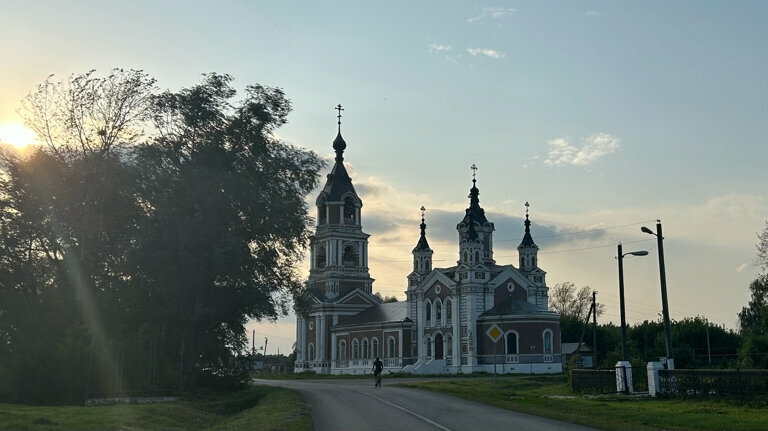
(569, 349)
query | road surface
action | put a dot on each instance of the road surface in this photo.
(355, 405)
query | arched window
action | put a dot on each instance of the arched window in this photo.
(311, 353)
(321, 219)
(428, 313)
(365, 349)
(349, 210)
(320, 257)
(512, 343)
(448, 311)
(349, 258)
(477, 256)
(391, 351)
(438, 312)
(415, 265)
(342, 350)
(355, 349)
(374, 348)
(533, 259)
(448, 345)
(429, 266)
(429, 345)
(465, 256)
(547, 341)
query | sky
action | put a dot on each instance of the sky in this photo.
(604, 115)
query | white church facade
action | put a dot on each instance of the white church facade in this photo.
(443, 326)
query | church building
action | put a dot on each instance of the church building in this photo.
(451, 316)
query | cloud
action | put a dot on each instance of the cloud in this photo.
(436, 47)
(487, 13)
(491, 53)
(742, 267)
(595, 14)
(562, 152)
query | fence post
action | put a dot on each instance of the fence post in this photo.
(653, 378)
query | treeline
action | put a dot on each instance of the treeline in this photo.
(645, 343)
(142, 233)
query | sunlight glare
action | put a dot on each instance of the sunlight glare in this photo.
(17, 135)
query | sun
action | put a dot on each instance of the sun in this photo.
(17, 135)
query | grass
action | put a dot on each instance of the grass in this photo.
(257, 408)
(538, 395)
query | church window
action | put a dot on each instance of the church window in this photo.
(415, 265)
(321, 219)
(429, 266)
(355, 349)
(465, 256)
(375, 348)
(428, 313)
(311, 353)
(439, 312)
(448, 311)
(342, 350)
(365, 349)
(511, 343)
(349, 258)
(391, 353)
(349, 210)
(547, 341)
(448, 345)
(477, 256)
(533, 259)
(320, 257)
(429, 346)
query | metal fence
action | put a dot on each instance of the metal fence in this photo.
(600, 381)
(738, 385)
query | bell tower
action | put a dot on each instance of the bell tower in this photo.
(339, 246)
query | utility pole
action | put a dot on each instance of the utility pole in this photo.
(709, 352)
(583, 329)
(664, 304)
(266, 340)
(594, 329)
(621, 303)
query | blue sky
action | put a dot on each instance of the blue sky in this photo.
(600, 113)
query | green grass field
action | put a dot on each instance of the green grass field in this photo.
(257, 408)
(550, 396)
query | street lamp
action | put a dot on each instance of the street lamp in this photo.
(621, 297)
(664, 305)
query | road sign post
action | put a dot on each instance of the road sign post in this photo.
(494, 333)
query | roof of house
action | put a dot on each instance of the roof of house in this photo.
(569, 348)
(380, 313)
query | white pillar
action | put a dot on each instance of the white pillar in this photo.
(333, 350)
(400, 343)
(318, 353)
(420, 326)
(653, 377)
(456, 332)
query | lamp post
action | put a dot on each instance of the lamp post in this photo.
(621, 297)
(664, 305)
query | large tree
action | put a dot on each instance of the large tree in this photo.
(572, 302)
(227, 219)
(119, 248)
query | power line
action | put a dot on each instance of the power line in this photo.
(537, 236)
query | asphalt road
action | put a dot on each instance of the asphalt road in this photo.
(355, 405)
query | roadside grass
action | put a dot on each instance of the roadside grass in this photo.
(550, 396)
(258, 408)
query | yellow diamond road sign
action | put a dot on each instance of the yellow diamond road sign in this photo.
(494, 332)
